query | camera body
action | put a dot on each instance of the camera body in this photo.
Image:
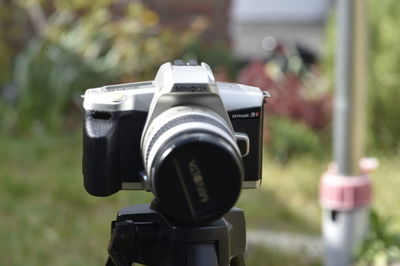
(126, 126)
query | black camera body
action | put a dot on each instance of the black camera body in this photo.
(131, 129)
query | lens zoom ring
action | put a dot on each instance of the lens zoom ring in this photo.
(178, 121)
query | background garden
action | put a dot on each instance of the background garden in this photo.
(51, 51)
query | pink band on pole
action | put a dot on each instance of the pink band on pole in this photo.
(338, 192)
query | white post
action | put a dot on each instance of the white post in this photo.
(345, 191)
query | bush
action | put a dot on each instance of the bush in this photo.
(384, 78)
(298, 113)
(290, 138)
(382, 246)
(13, 30)
(81, 44)
(290, 97)
(50, 79)
(218, 56)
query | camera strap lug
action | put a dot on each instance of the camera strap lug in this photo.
(145, 181)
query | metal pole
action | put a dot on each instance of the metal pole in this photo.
(345, 222)
(349, 107)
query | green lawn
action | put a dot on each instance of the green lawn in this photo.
(47, 218)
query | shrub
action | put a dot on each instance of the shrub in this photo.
(382, 246)
(13, 30)
(218, 56)
(289, 95)
(299, 110)
(85, 44)
(50, 79)
(290, 138)
(384, 78)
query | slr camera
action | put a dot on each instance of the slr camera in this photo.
(193, 142)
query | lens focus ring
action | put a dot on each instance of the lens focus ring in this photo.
(190, 118)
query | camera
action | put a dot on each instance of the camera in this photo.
(193, 142)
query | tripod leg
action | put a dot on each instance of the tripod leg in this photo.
(109, 262)
(202, 254)
(238, 261)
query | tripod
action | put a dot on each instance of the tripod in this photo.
(143, 235)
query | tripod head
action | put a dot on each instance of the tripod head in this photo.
(142, 235)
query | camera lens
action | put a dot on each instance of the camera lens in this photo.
(193, 163)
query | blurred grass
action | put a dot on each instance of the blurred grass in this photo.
(260, 256)
(287, 199)
(47, 218)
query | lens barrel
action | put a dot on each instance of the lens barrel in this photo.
(193, 164)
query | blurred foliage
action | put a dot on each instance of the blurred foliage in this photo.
(218, 55)
(80, 44)
(125, 39)
(50, 78)
(12, 21)
(383, 67)
(382, 247)
(300, 97)
(290, 138)
(384, 78)
(298, 114)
